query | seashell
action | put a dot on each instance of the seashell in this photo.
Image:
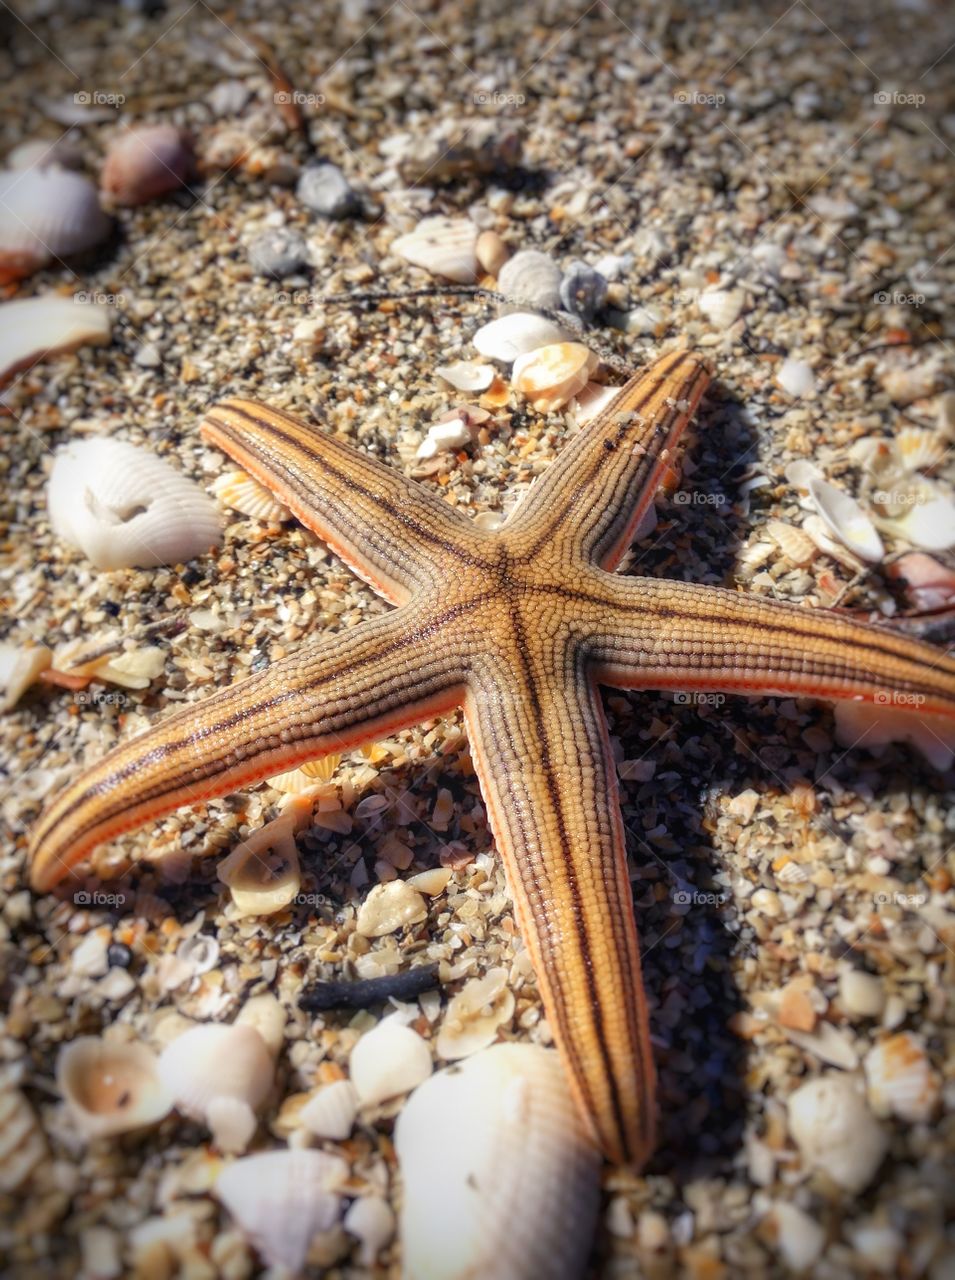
(146, 162)
(455, 148)
(330, 1113)
(32, 328)
(111, 1087)
(20, 667)
(22, 1144)
(835, 1131)
(846, 519)
(871, 724)
(491, 252)
(219, 1075)
(466, 375)
(531, 279)
(722, 307)
(861, 994)
(475, 1015)
(927, 518)
(241, 492)
(134, 669)
(124, 507)
(444, 247)
(46, 153)
(281, 1200)
(515, 1194)
(592, 400)
(877, 456)
(795, 544)
(46, 215)
(818, 531)
(390, 907)
(263, 872)
(552, 375)
(370, 1221)
(444, 436)
(515, 335)
(929, 584)
(266, 1015)
(920, 448)
(905, 385)
(388, 1060)
(583, 291)
(799, 1238)
(307, 777)
(802, 473)
(796, 378)
(901, 1079)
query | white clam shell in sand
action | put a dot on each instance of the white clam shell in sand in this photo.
(445, 247)
(45, 215)
(511, 336)
(31, 328)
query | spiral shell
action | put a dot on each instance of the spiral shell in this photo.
(46, 214)
(146, 162)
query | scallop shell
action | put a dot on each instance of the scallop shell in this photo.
(795, 544)
(219, 1075)
(847, 520)
(111, 1087)
(531, 279)
(466, 375)
(475, 1015)
(241, 492)
(722, 307)
(388, 1060)
(514, 1194)
(124, 507)
(445, 247)
(552, 375)
(146, 162)
(46, 214)
(901, 1079)
(32, 328)
(836, 1132)
(515, 335)
(20, 665)
(263, 872)
(920, 448)
(306, 777)
(22, 1145)
(330, 1113)
(371, 1221)
(281, 1200)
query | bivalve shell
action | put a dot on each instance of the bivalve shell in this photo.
(552, 375)
(388, 1060)
(390, 907)
(445, 247)
(901, 1079)
(515, 335)
(32, 328)
(920, 448)
(241, 492)
(514, 1195)
(531, 279)
(794, 543)
(722, 307)
(847, 520)
(330, 1113)
(219, 1075)
(467, 375)
(146, 162)
(371, 1221)
(111, 1087)
(263, 873)
(475, 1015)
(836, 1132)
(46, 153)
(46, 214)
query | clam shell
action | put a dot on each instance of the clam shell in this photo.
(241, 492)
(869, 725)
(466, 375)
(19, 668)
(330, 1113)
(836, 1132)
(48, 153)
(552, 375)
(514, 1195)
(22, 1145)
(111, 1087)
(211, 1062)
(722, 307)
(475, 1015)
(46, 214)
(124, 507)
(901, 1079)
(492, 252)
(531, 279)
(388, 1060)
(847, 520)
(920, 448)
(263, 872)
(146, 162)
(444, 247)
(817, 529)
(32, 328)
(511, 336)
(281, 1200)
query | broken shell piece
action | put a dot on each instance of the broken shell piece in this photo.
(518, 1140)
(22, 1145)
(466, 375)
(443, 436)
(125, 507)
(835, 1131)
(33, 328)
(210, 1063)
(281, 1200)
(796, 378)
(532, 279)
(444, 247)
(818, 531)
(511, 336)
(929, 584)
(19, 668)
(722, 307)
(552, 375)
(847, 520)
(371, 1221)
(263, 872)
(111, 1087)
(901, 1079)
(873, 724)
(591, 401)
(799, 1238)
(795, 544)
(330, 1113)
(238, 490)
(475, 1015)
(146, 162)
(388, 1060)
(390, 907)
(132, 669)
(46, 214)
(861, 994)
(920, 513)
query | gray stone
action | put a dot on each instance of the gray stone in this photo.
(324, 189)
(278, 253)
(583, 291)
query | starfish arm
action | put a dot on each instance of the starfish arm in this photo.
(392, 532)
(590, 500)
(351, 687)
(543, 758)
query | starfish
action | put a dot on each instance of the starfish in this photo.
(519, 627)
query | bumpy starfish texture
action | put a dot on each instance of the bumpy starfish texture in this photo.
(519, 627)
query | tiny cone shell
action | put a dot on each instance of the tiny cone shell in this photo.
(552, 375)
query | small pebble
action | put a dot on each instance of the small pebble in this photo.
(119, 955)
(325, 190)
(388, 908)
(861, 994)
(796, 378)
(491, 252)
(278, 252)
(583, 291)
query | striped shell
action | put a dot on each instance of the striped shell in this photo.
(920, 448)
(22, 1145)
(32, 328)
(532, 279)
(46, 214)
(146, 162)
(795, 544)
(241, 492)
(125, 507)
(445, 247)
(331, 1112)
(500, 1178)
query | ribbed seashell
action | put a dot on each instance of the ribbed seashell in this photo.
(466, 375)
(847, 520)
(125, 507)
(263, 873)
(531, 279)
(836, 1132)
(818, 531)
(48, 153)
(515, 335)
(330, 1113)
(795, 544)
(929, 584)
(219, 1075)
(22, 1145)
(514, 1194)
(111, 1087)
(32, 328)
(445, 247)
(281, 1200)
(371, 1221)
(242, 492)
(307, 776)
(46, 214)
(475, 1015)
(551, 376)
(146, 162)
(388, 1060)
(901, 1079)
(20, 665)
(920, 448)
(722, 307)
(920, 513)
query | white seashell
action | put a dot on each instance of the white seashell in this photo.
(552, 375)
(591, 401)
(124, 507)
(492, 252)
(330, 1113)
(794, 543)
(32, 328)
(802, 473)
(46, 215)
(905, 385)
(847, 520)
(927, 518)
(722, 307)
(390, 907)
(835, 1131)
(514, 1194)
(532, 279)
(466, 375)
(432, 882)
(22, 1145)
(263, 873)
(818, 531)
(371, 1221)
(111, 1087)
(48, 153)
(878, 457)
(232, 1124)
(799, 1238)
(281, 1200)
(388, 1060)
(20, 665)
(832, 1045)
(901, 1079)
(266, 1015)
(511, 336)
(475, 1015)
(132, 669)
(869, 725)
(920, 449)
(241, 492)
(146, 162)
(445, 247)
(212, 1062)
(861, 994)
(796, 378)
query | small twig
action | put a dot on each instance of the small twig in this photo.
(341, 994)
